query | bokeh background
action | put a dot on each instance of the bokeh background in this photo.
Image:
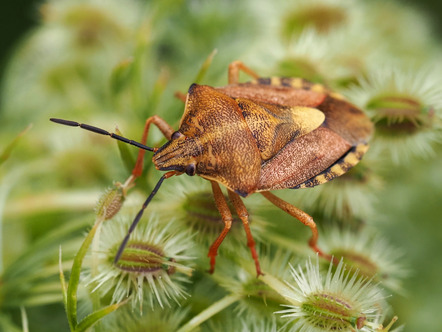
(410, 203)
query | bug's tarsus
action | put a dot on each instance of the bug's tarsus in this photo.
(140, 214)
(101, 132)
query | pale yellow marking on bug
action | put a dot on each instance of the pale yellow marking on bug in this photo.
(337, 96)
(297, 83)
(321, 178)
(318, 88)
(275, 81)
(254, 81)
(337, 170)
(362, 148)
(352, 158)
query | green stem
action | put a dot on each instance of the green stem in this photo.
(279, 287)
(24, 319)
(96, 299)
(71, 302)
(209, 312)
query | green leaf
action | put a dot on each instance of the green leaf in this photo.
(71, 300)
(93, 318)
(121, 75)
(7, 151)
(62, 280)
(126, 155)
(204, 67)
(153, 99)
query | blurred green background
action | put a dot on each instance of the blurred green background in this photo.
(411, 219)
(19, 16)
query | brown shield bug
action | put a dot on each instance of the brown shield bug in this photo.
(267, 134)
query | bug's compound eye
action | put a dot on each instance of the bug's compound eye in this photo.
(175, 135)
(190, 169)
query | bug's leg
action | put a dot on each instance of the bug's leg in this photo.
(164, 127)
(234, 69)
(226, 216)
(181, 96)
(302, 217)
(244, 216)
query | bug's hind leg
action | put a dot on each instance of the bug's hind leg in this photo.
(164, 127)
(234, 69)
(226, 216)
(302, 217)
(244, 216)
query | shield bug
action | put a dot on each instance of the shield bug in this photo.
(263, 135)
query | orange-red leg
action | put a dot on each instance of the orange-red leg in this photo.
(244, 216)
(181, 96)
(234, 69)
(164, 127)
(302, 217)
(226, 216)
(233, 76)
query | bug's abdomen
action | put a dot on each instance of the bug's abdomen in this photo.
(340, 167)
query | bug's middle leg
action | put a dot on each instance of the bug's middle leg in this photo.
(226, 216)
(244, 216)
(303, 217)
(164, 127)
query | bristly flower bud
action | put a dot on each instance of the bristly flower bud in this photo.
(368, 254)
(323, 17)
(151, 269)
(337, 302)
(144, 258)
(406, 109)
(110, 202)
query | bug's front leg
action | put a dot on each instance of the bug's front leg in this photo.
(244, 216)
(303, 217)
(226, 216)
(164, 127)
(235, 67)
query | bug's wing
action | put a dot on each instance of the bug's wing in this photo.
(302, 159)
(318, 156)
(274, 126)
(322, 155)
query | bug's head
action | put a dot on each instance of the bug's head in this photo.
(185, 151)
(179, 154)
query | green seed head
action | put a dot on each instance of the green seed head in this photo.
(110, 203)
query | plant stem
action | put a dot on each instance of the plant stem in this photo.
(279, 287)
(209, 312)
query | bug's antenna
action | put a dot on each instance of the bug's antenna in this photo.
(139, 214)
(101, 132)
